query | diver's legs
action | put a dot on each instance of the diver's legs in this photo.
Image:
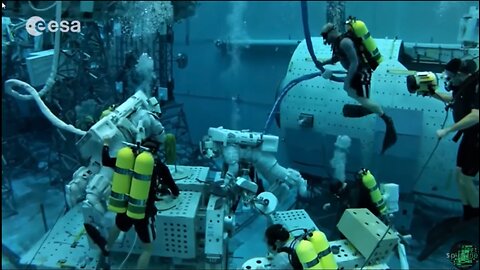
(144, 258)
(461, 187)
(112, 236)
(104, 261)
(390, 133)
(470, 194)
(359, 89)
(369, 104)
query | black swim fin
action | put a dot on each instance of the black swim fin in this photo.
(438, 236)
(355, 111)
(390, 134)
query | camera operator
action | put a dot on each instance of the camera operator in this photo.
(461, 79)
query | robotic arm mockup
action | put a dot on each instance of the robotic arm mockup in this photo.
(245, 147)
(277, 175)
(231, 157)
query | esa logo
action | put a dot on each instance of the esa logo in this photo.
(35, 26)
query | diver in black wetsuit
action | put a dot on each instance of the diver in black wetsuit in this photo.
(462, 80)
(162, 183)
(462, 77)
(348, 50)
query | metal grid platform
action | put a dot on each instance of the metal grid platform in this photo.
(189, 178)
(347, 256)
(64, 246)
(215, 236)
(294, 219)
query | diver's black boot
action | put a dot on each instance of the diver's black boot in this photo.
(466, 211)
(96, 237)
(439, 235)
(469, 212)
(475, 213)
(390, 133)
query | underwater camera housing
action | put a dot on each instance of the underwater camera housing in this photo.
(423, 83)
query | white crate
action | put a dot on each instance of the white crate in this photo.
(176, 228)
(364, 230)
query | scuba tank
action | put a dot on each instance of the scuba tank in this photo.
(322, 247)
(107, 111)
(313, 251)
(307, 255)
(360, 30)
(370, 183)
(141, 181)
(122, 177)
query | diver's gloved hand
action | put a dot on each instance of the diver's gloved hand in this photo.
(327, 74)
(385, 219)
(303, 191)
(405, 239)
(165, 195)
(442, 133)
(167, 198)
(106, 141)
(431, 91)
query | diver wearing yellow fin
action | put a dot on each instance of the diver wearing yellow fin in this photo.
(358, 54)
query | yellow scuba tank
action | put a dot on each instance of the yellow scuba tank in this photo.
(361, 31)
(307, 255)
(107, 111)
(122, 177)
(369, 182)
(322, 248)
(139, 190)
(170, 149)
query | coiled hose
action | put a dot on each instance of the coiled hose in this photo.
(291, 84)
(284, 92)
(43, 108)
(308, 40)
(36, 96)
